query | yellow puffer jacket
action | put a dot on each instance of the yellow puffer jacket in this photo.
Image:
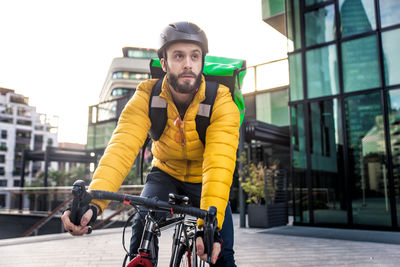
(179, 151)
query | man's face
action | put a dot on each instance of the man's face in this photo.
(183, 66)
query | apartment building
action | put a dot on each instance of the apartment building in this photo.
(21, 128)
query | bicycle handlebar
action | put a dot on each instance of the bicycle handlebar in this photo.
(152, 203)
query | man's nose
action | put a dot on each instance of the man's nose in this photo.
(188, 62)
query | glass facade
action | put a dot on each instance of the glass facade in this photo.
(345, 112)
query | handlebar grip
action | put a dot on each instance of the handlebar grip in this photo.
(80, 203)
(210, 225)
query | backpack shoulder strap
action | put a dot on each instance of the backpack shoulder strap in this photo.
(157, 112)
(205, 109)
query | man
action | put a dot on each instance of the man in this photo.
(181, 164)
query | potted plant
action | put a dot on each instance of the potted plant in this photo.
(267, 206)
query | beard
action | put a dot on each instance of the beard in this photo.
(186, 87)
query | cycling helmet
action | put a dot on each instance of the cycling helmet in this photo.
(182, 32)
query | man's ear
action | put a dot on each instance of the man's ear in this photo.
(163, 64)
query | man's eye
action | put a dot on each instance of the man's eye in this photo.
(178, 56)
(195, 57)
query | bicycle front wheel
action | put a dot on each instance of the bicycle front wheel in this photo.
(186, 256)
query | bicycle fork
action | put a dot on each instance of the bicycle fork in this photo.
(146, 250)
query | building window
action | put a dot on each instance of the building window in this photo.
(322, 71)
(391, 56)
(298, 137)
(121, 91)
(357, 16)
(4, 134)
(295, 77)
(17, 183)
(2, 201)
(390, 12)
(293, 19)
(312, 2)
(320, 25)
(272, 107)
(327, 163)
(360, 64)
(3, 182)
(367, 153)
(394, 126)
(50, 142)
(2, 171)
(2, 158)
(3, 146)
(24, 122)
(107, 111)
(130, 75)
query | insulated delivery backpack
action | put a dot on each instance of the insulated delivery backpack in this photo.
(217, 70)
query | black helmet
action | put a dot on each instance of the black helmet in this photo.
(183, 32)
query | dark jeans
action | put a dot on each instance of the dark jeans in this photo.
(160, 184)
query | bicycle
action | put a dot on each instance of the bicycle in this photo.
(183, 245)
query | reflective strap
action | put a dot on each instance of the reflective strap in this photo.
(204, 110)
(158, 102)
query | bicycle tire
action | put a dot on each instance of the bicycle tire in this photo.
(186, 256)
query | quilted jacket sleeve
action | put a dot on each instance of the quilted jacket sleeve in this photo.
(125, 143)
(222, 138)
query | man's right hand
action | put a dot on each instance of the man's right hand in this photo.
(73, 229)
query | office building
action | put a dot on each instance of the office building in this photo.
(344, 101)
(124, 75)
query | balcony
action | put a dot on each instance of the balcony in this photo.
(273, 13)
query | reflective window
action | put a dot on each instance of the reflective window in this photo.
(390, 12)
(141, 54)
(130, 75)
(103, 133)
(328, 182)
(295, 77)
(320, 25)
(107, 111)
(367, 154)
(357, 16)
(394, 125)
(322, 71)
(391, 56)
(312, 2)
(299, 165)
(360, 64)
(298, 137)
(272, 107)
(293, 22)
(121, 91)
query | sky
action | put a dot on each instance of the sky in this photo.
(57, 53)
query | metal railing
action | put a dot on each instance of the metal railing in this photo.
(57, 199)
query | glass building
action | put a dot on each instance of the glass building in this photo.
(344, 102)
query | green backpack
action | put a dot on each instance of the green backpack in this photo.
(227, 71)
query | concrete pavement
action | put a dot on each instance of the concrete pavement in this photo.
(280, 246)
